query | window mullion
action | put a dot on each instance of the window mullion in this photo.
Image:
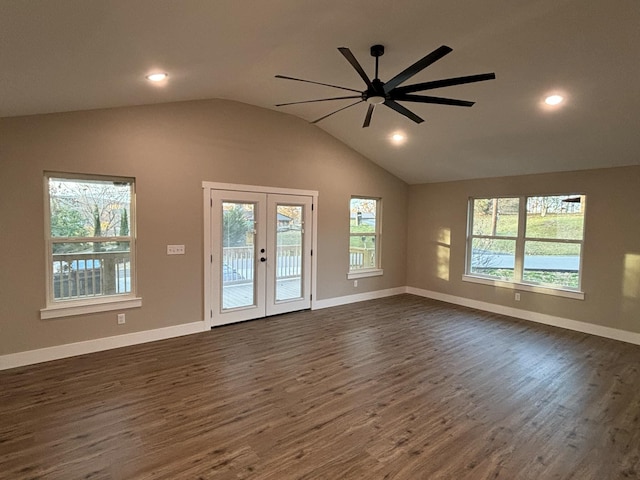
(89, 239)
(522, 222)
(496, 237)
(554, 240)
(470, 220)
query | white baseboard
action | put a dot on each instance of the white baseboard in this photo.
(30, 357)
(584, 327)
(57, 352)
(359, 297)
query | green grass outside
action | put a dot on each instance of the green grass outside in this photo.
(356, 241)
(566, 279)
(565, 226)
(293, 237)
(289, 238)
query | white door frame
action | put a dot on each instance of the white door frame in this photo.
(207, 187)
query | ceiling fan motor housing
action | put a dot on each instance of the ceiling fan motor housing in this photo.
(377, 50)
(375, 95)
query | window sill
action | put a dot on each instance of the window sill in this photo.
(524, 287)
(376, 272)
(83, 307)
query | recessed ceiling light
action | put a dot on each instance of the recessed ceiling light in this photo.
(554, 100)
(398, 138)
(157, 77)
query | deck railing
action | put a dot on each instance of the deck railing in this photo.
(238, 262)
(92, 274)
(362, 258)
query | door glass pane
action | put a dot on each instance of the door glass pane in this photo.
(238, 255)
(289, 235)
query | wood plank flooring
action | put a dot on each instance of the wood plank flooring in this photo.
(396, 388)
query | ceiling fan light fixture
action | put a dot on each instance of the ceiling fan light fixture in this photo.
(375, 100)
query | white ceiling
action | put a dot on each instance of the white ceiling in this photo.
(64, 55)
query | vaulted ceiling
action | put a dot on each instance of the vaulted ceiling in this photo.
(67, 55)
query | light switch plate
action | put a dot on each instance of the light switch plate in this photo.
(175, 249)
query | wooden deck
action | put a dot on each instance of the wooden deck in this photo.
(397, 388)
(241, 294)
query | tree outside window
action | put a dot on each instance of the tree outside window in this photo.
(90, 239)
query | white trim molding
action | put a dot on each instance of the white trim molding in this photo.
(364, 273)
(57, 352)
(584, 327)
(524, 287)
(360, 297)
(258, 189)
(30, 357)
(105, 304)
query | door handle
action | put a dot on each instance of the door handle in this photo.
(263, 259)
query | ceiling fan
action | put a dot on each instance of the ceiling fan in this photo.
(390, 93)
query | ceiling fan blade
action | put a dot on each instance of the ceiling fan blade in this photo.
(436, 100)
(339, 110)
(318, 100)
(354, 63)
(403, 111)
(446, 82)
(317, 83)
(421, 64)
(367, 118)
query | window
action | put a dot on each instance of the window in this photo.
(90, 228)
(364, 237)
(530, 241)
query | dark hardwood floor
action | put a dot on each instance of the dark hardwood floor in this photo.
(397, 388)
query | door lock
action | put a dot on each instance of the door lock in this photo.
(263, 259)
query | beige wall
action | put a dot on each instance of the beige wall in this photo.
(170, 149)
(611, 264)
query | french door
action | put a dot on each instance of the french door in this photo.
(260, 261)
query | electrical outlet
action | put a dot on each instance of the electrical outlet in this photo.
(175, 249)
(121, 319)
(355, 283)
(517, 296)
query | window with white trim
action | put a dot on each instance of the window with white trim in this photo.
(90, 240)
(364, 237)
(528, 240)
